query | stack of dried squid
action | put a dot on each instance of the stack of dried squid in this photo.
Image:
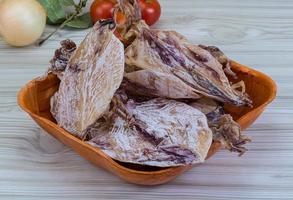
(154, 99)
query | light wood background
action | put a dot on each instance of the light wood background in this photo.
(33, 165)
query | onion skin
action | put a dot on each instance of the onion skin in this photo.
(22, 22)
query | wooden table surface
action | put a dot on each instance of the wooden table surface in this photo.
(33, 165)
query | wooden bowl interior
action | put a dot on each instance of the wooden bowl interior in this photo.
(256, 90)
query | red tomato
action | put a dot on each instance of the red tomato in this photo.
(150, 11)
(102, 9)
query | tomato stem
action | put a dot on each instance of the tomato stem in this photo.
(56, 30)
(78, 10)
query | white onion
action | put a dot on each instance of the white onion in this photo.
(22, 22)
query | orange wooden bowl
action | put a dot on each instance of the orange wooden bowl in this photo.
(35, 96)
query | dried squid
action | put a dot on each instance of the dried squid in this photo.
(164, 108)
(224, 128)
(203, 68)
(158, 132)
(193, 65)
(157, 84)
(92, 75)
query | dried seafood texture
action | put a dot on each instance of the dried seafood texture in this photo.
(209, 107)
(157, 84)
(93, 73)
(228, 132)
(158, 132)
(221, 57)
(61, 57)
(133, 23)
(169, 52)
(130, 10)
(224, 128)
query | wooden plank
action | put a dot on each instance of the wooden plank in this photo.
(256, 33)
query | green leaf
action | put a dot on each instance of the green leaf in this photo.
(83, 21)
(55, 11)
(56, 22)
(66, 3)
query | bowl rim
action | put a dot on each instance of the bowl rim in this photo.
(234, 65)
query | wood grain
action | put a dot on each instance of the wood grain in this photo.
(256, 33)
